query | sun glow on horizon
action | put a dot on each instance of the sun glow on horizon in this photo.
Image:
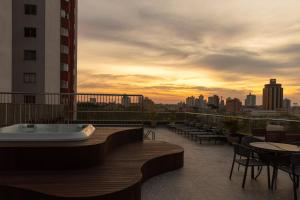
(168, 53)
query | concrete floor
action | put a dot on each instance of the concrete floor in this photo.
(205, 176)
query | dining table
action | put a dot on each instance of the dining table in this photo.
(276, 150)
(276, 147)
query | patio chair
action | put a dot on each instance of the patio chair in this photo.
(247, 140)
(243, 155)
(291, 165)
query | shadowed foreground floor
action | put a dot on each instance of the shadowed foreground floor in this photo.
(205, 176)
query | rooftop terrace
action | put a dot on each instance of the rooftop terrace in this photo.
(205, 176)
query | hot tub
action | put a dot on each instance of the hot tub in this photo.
(46, 132)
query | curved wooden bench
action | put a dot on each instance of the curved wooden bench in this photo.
(66, 155)
(118, 178)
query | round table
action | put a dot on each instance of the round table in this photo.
(277, 149)
(272, 146)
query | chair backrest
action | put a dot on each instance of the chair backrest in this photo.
(249, 139)
(242, 150)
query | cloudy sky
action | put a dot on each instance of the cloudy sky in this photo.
(170, 49)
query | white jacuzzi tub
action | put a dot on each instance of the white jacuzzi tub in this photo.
(46, 132)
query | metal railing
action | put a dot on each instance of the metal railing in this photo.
(18, 108)
(150, 134)
(107, 109)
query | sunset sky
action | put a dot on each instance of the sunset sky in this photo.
(170, 49)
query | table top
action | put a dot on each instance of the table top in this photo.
(272, 146)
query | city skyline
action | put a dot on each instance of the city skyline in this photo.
(175, 49)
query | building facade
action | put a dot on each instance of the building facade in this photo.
(38, 50)
(190, 101)
(213, 101)
(287, 104)
(250, 100)
(233, 105)
(273, 96)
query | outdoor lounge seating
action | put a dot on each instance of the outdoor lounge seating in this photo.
(198, 132)
(211, 137)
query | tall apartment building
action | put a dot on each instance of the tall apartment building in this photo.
(233, 105)
(250, 100)
(38, 46)
(213, 101)
(190, 101)
(273, 96)
(202, 101)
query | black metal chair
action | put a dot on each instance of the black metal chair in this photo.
(247, 140)
(244, 156)
(291, 165)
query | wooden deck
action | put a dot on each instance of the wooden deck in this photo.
(66, 155)
(118, 177)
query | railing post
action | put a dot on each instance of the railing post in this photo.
(20, 114)
(6, 114)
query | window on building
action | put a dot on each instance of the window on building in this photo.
(64, 14)
(29, 99)
(29, 32)
(29, 55)
(29, 77)
(30, 9)
(64, 67)
(64, 49)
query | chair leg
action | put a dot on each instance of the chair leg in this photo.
(295, 187)
(233, 162)
(274, 178)
(245, 176)
(259, 170)
(268, 171)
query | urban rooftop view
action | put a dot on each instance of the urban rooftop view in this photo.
(149, 100)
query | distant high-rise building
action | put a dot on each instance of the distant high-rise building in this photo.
(38, 47)
(213, 101)
(149, 104)
(222, 103)
(287, 104)
(202, 102)
(250, 100)
(190, 101)
(233, 105)
(273, 96)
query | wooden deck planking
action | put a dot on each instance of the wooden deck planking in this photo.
(66, 155)
(119, 177)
